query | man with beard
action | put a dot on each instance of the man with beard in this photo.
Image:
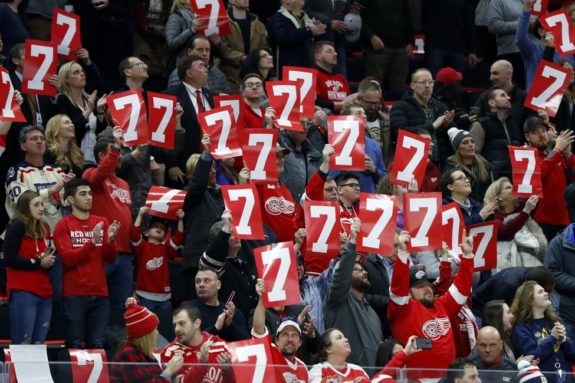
(205, 355)
(287, 342)
(551, 213)
(346, 308)
(413, 309)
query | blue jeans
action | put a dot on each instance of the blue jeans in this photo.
(87, 318)
(120, 277)
(55, 275)
(29, 317)
(155, 305)
(440, 58)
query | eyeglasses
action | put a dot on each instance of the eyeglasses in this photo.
(266, 56)
(424, 82)
(359, 269)
(254, 84)
(461, 178)
(352, 185)
(139, 64)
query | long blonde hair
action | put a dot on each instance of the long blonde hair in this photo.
(482, 173)
(63, 74)
(522, 307)
(180, 4)
(495, 189)
(145, 343)
(34, 229)
(74, 155)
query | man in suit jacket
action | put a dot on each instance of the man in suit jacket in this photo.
(194, 98)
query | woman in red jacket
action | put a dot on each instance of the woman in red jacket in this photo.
(28, 258)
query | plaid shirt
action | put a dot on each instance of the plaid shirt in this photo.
(147, 370)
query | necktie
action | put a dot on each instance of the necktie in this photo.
(200, 101)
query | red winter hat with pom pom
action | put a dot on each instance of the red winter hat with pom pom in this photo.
(139, 320)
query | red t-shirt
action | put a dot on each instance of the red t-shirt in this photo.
(331, 86)
(325, 372)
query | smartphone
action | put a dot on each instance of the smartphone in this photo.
(423, 343)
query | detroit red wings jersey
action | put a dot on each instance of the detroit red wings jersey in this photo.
(286, 370)
(326, 373)
(332, 86)
(193, 370)
(278, 210)
(409, 317)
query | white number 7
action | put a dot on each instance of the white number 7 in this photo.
(7, 109)
(566, 43)
(409, 142)
(290, 90)
(281, 254)
(487, 231)
(159, 135)
(545, 97)
(243, 227)
(529, 155)
(340, 126)
(37, 82)
(226, 119)
(161, 205)
(259, 351)
(315, 212)
(307, 79)
(430, 204)
(386, 207)
(84, 358)
(212, 28)
(120, 103)
(64, 46)
(259, 173)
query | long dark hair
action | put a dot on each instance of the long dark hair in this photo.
(493, 316)
(252, 64)
(34, 229)
(323, 342)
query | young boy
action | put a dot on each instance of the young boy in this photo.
(153, 279)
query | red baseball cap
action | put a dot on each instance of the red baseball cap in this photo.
(448, 76)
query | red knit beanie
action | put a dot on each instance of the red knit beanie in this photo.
(139, 320)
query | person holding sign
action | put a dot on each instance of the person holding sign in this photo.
(551, 214)
(135, 361)
(152, 255)
(414, 310)
(346, 308)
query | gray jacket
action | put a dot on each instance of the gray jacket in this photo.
(560, 259)
(502, 20)
(178, 30)
(217, 81)
(354, 317)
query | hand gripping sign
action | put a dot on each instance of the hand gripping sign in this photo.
(306, 79)
(526, 172)
(548, 87)
(422, 219)
(251, 359)
(410, 158)
(284, 97)
(277, 266)
(453, 226)
(259, 153)
(65, 32)
(323, 226)
(484, 245)
(129, 112)
(39, 66)
(378, 215)
(162, 120)
(559, 24)
(165, 202)
(346, 134)
(9, 108)
(244, 203)
(212, 16)
(220, 124)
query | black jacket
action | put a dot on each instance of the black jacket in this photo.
(499, 286)
(378, 294)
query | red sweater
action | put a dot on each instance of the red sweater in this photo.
(278, 210)
(153, 272)
(248, 119)
(111, 197)
(552, 209)
(28, 277)
(83, 261)
(331, 86)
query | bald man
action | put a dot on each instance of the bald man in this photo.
(489, 359)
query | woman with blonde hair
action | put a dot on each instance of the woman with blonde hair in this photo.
(538, 331)
(61, 147)
(520, 240)
(84, 110)
(28, 258)
(135, 361)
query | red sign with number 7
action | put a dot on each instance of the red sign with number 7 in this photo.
(526, 172)
(277, 266)
(560, 26)
(548, 87)
(484, 245)
(165, 202)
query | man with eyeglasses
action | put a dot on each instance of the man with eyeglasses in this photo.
(418, 109)
(332, 88)
(252, 114)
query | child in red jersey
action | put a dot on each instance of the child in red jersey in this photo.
(153, 279)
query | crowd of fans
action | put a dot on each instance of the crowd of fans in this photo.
(78, 238)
